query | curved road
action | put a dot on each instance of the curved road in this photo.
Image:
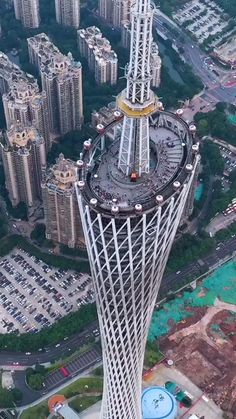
(195, 57)
(51, 353)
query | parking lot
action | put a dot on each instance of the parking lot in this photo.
(230, 160)
(33, 295)
(73, 367)
(204, 20)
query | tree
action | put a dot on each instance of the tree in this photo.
(203, 128)
(38, 234)
(98, 371)
(232, 176)
(6, 398)
(17, 395)
(212, 156)
(36, 381)
(39, 369)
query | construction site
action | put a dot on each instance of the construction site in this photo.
(197, 333)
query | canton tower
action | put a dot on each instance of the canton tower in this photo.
(132, 189)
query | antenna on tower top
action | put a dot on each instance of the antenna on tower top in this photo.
(137, 101)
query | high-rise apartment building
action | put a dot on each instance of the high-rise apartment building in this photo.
(155, 59)
(24, 158)
(102, 60)
(25, 104)
(41, 49)
(61, 211)
(121, 12)
(131, 193)
(105, 10)
(115, 12)
(22, 100)
(10, 73)
(125, 34)
(155, 63)
(28, 12)
(105, 116)
(62, 82)
(68, 12)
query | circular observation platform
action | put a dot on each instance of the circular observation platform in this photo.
(173, 149)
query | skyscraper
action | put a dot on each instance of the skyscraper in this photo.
(131, 193)
(115, 12)
(24, 158)
(155, 62)
(102, 59)
(22, 100)
(68, 12)
(28, 12)
(61, 211)
(62, 82)
(121, 12)
(25, 104)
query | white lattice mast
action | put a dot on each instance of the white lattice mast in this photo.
(137, 101)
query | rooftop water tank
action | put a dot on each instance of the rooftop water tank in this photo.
(158, 403)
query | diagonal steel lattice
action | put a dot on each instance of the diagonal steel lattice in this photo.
(127, 259)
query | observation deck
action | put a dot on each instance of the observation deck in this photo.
(173, 150)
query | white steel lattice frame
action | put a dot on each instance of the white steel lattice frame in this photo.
(134, 154)
(127, 259)
(134, 149)
(139, 70)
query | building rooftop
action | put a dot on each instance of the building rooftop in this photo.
(61, 176)
(13, 75)
(20, 138)
(67, 413)
(100, 45)
(157, 403)
(52, 61)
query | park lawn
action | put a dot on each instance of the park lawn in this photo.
(95, 384)
(40, 411)
(82, 403)
(152, 357)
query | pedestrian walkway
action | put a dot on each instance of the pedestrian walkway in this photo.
(92, 412)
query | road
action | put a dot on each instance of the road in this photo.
(193, 270)
(52, 353)
(193, 55)
(32, 398)
(79, 365)
(75, 366)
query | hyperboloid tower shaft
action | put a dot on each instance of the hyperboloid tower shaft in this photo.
(132, 189)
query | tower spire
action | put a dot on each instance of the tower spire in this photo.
(137, 101)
